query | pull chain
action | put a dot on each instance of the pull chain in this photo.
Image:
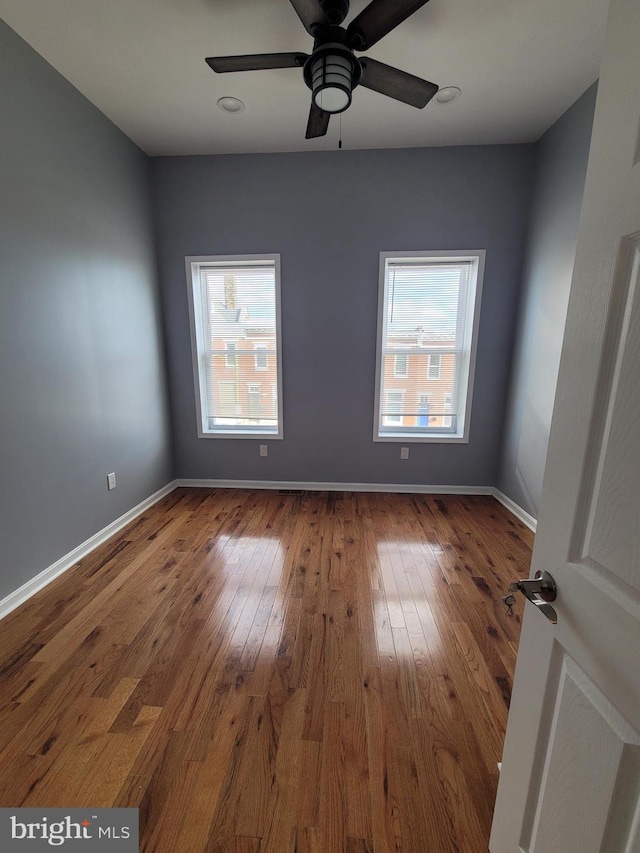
(340, 140)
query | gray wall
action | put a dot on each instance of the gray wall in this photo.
(329, 214)
(81, 364)
(561, 165)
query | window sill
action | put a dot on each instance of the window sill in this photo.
(413, 438)
(273, 436)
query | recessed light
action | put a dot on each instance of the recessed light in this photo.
(448, 94)
(230, 105)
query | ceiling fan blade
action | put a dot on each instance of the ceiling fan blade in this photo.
(396, 84)
(379, 18)
(256, 62)
(318, 122)
(310, 13)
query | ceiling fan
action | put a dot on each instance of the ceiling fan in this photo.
(332, 71)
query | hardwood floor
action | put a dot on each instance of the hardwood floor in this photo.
(264, 671)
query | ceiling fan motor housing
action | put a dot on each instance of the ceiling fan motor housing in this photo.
(335, 10)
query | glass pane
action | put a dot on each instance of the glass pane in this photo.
(419, 399)
(239, 298)
(240, 345)
(241, 394)
(422, 302)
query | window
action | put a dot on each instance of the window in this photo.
(261, 361)
(446, 421)
(401, 365)
(428, 309)
(234, 305)
(230, 354)
(433, 370)
(393, 408)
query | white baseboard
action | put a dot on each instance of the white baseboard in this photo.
(20, 595)
(393, 488)
(408, 488)
(517, 510)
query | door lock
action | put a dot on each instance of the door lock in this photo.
(540, 590)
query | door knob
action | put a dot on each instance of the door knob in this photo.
(539, 590)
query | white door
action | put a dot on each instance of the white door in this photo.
(570, 780)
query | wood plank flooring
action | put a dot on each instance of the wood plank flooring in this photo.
(265, 671)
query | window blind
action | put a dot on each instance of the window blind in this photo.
(425, 333)
(238, 352)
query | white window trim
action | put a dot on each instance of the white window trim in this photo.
(192, 269)
(477, 257)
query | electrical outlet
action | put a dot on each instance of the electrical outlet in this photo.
(111, 481)
(404, 453)
(263, 450)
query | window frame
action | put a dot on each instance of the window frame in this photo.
(193, 263)
(460, 435)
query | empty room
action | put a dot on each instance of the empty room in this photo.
(319, 370)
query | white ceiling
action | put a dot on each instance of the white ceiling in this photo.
(519, 63)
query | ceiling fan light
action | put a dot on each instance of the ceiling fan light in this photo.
(331, 82)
